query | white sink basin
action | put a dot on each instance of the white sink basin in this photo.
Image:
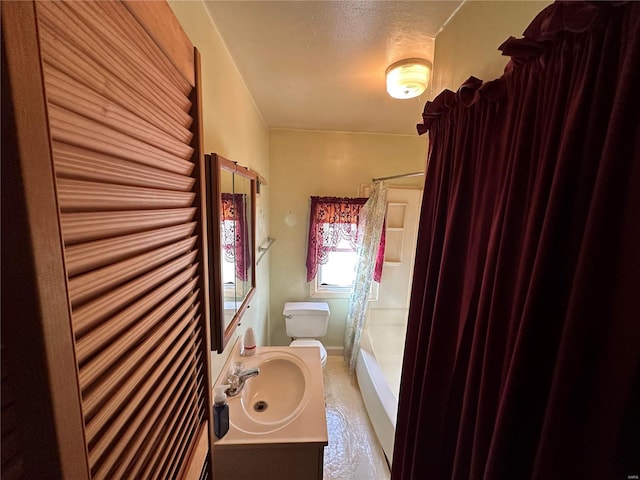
(276, 393)
(275, 397)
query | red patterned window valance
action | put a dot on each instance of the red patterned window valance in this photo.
(331, 219)
(235, 233)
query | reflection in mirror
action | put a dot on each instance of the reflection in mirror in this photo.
(244, 255)
(231, 245)
(227, 249)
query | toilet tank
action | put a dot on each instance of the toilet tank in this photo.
(306, 319)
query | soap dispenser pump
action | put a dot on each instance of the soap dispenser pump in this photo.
(220, 411)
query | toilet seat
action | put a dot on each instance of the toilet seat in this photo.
(309, 342)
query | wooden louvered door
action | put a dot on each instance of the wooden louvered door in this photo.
(122, 106)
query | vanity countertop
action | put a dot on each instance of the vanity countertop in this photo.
(309, 427)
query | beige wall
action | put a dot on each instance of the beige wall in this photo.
(306, 163)
(469, 43)
(298, 164)
(233, 128)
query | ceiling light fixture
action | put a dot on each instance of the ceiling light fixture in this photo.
(408, 78)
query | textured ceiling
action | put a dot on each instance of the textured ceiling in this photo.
(320, 65)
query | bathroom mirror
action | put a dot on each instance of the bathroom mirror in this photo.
(231, 192)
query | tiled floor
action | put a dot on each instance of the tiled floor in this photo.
(353, 452)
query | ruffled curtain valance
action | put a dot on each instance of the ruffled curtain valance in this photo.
(546, 30)
(332, 219)
(229, 200)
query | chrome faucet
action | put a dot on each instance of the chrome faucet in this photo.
(237, 381)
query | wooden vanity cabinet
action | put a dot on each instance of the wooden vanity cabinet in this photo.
(293, 461)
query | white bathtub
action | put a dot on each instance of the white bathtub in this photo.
(378, 370)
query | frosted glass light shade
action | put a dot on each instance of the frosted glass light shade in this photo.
(408, 78)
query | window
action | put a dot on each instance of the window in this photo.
(340, 269)
(335, 278)
(331, 256)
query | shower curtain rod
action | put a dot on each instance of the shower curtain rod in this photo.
(414, 174)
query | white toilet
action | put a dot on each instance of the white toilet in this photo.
(305, 322)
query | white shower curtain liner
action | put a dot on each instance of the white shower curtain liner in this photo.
(371, 223)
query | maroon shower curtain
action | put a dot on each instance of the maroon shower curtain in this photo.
(523, 342)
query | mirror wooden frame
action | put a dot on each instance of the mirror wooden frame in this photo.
(214, 165)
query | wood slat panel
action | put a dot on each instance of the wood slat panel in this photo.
(204, 474)
(134, 432)
(89, 285)
(179, 449)
(168, 403)
(84, 227)
(79, 131)
(111, 52)
(120, 111)
(179, 48)
(180, 413)
(104, 401)
(188, 406)
(113, 97)
(172, 98)
(126, 25)
(89, 315)
(149, 446)
(107, 85)
(195, 465)
(162, 300)
(81, 196)
(80, 164)
(104, 44)
(143, 402)
(145, 333)
(113, 30)
(88, 256)
(107, 107)
(183, 421)
(98, 436)
(35, 317)
(58, 39)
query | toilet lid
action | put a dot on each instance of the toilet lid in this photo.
(311, 343)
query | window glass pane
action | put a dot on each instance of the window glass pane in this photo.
(228, 272)
(340, 270)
